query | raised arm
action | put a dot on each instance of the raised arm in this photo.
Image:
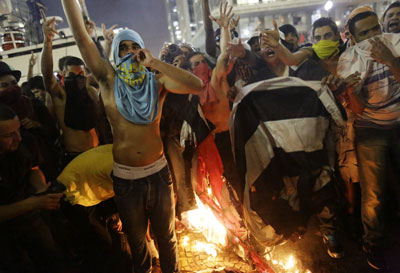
(108, 35)
(223, 21)
(32, 62)
(211, 46)
(97, 65)
(46, 64)
(224, 63)
(271, 39)
(173, 79)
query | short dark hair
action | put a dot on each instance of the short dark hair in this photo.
(6, 113)
(288, 28)
(73, 61)
(352, 22)
(36, 82)
(325, 21)
(194, 53)
(393, 5)
(61, 62)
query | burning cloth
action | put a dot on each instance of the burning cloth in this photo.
(278, 128)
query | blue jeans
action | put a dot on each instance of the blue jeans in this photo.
(140, 200)
(375, 148)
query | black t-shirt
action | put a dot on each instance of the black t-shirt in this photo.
(15, 168)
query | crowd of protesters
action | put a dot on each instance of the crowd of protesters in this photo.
(100, 165)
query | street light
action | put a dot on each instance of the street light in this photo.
(328, 5)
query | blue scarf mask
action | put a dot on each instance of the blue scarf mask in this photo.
(135, 88)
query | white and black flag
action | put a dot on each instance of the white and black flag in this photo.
(278, 128)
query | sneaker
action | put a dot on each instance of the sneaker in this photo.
(333, 245)
(375, 257)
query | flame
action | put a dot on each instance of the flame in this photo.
(290, 263)
(185, 241)
(210, 249)
(203, 219)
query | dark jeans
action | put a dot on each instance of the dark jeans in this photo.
(375, 148)
(140, 200)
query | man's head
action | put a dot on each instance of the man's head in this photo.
(124, 43)
(37, 87)
(9, 130)
(364, 25)
(8, 77)
(325, 29)
(254, 41)
(73, 66)
(291, 35)
(391, 18)
(195, 59)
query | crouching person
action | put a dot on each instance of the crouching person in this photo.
(26, 240)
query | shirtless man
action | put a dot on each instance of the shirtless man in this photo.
(74, 141)
(142, 183)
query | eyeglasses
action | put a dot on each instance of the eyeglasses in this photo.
(8, 84)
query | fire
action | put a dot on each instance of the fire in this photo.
(203, 220)
(210, 249)
(288, 265)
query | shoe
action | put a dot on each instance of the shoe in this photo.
(335, 249)
(375, 257)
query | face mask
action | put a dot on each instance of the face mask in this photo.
(75, 83)
(203, 71)
(10, 95)
(326, 48)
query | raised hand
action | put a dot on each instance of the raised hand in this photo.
(108, 33)
(48, 27)
(270, 38)
(32, 60)
(224, 16)
(380, 52)
(234, 23)
(144, 56)
(236, 50)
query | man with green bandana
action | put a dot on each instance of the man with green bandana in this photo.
(133, 99)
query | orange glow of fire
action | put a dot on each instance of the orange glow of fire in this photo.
(210, 249)
(288, 265)
(202, 219)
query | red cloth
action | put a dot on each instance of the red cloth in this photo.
(207, 94)
(209, 163)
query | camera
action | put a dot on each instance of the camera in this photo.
(173, 51)
(55, 187)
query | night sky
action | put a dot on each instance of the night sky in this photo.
(147, 17)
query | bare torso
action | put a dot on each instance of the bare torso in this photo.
(218, 113)
(134, 145)
(73, 140)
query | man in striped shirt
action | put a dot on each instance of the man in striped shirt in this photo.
(372, 70)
